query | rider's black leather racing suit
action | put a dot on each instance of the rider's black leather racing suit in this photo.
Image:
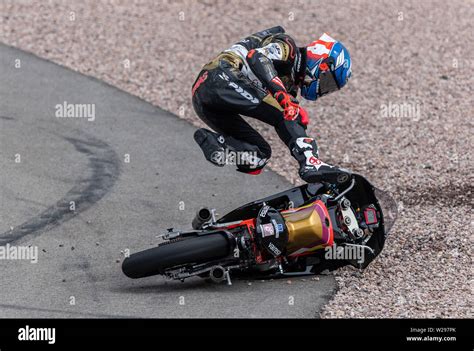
(243, 81)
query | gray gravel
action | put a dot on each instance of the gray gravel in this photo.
(418, 53)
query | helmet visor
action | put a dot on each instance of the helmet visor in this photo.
(327, 82)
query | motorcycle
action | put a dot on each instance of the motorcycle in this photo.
(294, 232)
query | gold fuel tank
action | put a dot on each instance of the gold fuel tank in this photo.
(309, 228)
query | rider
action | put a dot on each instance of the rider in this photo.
(259, 77)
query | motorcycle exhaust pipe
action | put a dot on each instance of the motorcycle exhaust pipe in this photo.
(202, 216)
(217, 274)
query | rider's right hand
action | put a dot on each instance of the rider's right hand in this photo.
(291, 109)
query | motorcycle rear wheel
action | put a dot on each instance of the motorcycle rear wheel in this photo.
(196, 249)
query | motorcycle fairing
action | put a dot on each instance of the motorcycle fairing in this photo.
(363, 193)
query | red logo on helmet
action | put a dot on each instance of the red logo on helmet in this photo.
(321, 48)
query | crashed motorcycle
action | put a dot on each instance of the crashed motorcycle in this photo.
(289, 233)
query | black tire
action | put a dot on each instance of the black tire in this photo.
(197, 249)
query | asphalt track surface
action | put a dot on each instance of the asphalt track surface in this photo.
(119, 205)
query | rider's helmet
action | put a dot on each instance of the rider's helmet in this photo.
(328, 67)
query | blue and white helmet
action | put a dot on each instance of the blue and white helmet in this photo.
(328, 67)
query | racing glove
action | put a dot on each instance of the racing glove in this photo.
(291, 109)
